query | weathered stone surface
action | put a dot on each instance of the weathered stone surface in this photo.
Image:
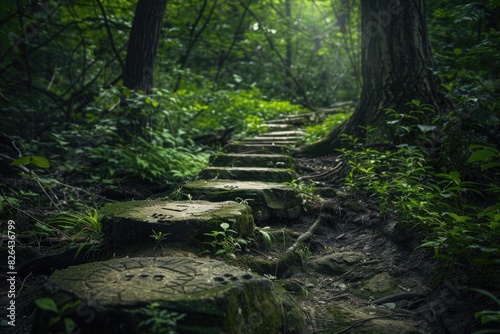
(270, 141)
(286, 134)
(248, 174)
(291, 119)
(213, 297)
(337, 263)
(365, 320)
(252, 160)
(258, 148)
(274, 139)
(267, 199)
(281, 127)
(380, 285)
(129, 223)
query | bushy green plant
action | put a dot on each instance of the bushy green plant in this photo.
(58, 313)
(225, 242)
(436, 204)
(318, 131)
(159, 320)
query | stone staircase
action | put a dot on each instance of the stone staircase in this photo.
(244, 186)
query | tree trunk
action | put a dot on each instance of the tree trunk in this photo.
(397, 67)
(144, 36)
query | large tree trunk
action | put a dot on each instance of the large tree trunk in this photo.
(397, 68)
(143, 42)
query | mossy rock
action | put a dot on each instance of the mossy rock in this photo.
(208, 296)
(257, 148)
(365, 320)
(286, 134)
(265, 174)
(337, 263)
(379, 286)
(129, 223)
(252, 160)
(267, 199)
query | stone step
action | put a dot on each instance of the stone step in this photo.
(270, 142)
(294, 133)
(199, 295)
(291, 119)
(257, 148)
(131, 223)
(252, 160)
(265, 174)
(268, 200)
(278, 140)
(279, 127)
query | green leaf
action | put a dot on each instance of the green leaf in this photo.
(457, 51)
(47, 304)
(69, 325)
(482, 155)
(224, 226)
(426, 128)
(220, 251)
(36, 160)
(489, 165)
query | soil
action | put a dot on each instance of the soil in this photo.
(359, 271)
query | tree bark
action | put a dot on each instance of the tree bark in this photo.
(144, 36)
(397, 67)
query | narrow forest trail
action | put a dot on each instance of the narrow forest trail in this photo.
(333, 266)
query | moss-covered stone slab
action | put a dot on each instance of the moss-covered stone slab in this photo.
(132, 223)
(290, 133)
(291, 119)
(248, 174)
(132, 295)
(257, 148)
(379, 286)
(337, 263)
(273, 138)
(280, 127)
(267, 199)
(365, 320)
(252, 160)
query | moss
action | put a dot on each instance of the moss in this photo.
(379, 286)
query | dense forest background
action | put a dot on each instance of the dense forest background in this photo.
(79, 126)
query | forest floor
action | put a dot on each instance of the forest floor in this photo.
(360, 274)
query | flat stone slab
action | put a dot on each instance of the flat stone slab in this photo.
(257, 148)
(132, 223)
(267, 199)
(291, 119)
(294, 133)
(261, 142)
(282, 127)
(265, 174)
(252, 160)
(273, 139)
(208, 296)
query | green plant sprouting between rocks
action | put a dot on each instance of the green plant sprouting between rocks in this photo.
(159, 320)
(58, 313)
(226, 242)
(159, 237)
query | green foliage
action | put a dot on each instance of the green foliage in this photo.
(48, 304)
(438, 205)
(78, 224)
(159, 237)
(488, 316)
(225, 242)
(316, 132)
(159, 320)
(305, 191)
